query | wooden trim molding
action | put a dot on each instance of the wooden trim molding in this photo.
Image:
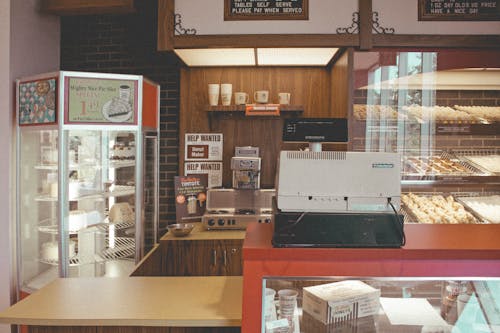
(81, 7)
(365, 24)
(166, 22)
(273, 40)
(441, 41)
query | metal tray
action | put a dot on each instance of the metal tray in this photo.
(411, 217)
(459, 170)
(463, 199)
(468, 157)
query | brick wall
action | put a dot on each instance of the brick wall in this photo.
(126, 44)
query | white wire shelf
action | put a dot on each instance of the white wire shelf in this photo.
(124, 247)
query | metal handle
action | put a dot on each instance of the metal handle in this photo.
(214, 257)
(225, 257)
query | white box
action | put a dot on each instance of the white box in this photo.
(341, 301)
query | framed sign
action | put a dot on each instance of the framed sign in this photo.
(212, 169)
(459, 10)
(37, 102)
(203, 147)
(92, 100)
(241, 10)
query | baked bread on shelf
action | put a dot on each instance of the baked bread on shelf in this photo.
(488, 113)
(437, 209)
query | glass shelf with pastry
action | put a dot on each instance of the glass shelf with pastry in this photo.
(439, 108)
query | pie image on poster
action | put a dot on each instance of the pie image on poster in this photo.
(117, 110)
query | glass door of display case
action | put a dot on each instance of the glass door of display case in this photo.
(419, 305)
(87, 190)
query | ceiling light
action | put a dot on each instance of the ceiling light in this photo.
(295, 56)
(217, 57)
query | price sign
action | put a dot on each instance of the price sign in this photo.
(93, 100)
(236, 10)
(458, 10)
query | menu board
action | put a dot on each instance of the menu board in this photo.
(236, 10)
(92, 100)
(458, 10)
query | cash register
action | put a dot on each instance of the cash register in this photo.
(335, 198)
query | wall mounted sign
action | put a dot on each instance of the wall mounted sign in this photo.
(240, 10)
(212, 169)
(458, 10)
(37, 102)
(90, 100)
(203, 146)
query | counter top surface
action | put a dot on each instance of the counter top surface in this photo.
(199, 233)
(423, 241)
(132, 301)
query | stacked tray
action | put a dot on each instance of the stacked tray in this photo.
(436, 209)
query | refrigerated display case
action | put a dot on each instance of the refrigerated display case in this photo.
(87, 154)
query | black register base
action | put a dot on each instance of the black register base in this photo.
(295, 229)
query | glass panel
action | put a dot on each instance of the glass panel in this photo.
(380, 305)
(150, 222)
(38, 207)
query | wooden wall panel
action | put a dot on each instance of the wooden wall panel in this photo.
(309, 87)
(341, 85)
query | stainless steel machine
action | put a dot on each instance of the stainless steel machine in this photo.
(234, 209)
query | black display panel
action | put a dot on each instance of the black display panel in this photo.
(315, 130)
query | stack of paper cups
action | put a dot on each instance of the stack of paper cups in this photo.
(213, 93)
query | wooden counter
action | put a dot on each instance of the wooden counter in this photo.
(438, 251)
(132, 301)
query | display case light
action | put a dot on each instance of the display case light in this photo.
(256, 57)
(217, 57)
(295, 56)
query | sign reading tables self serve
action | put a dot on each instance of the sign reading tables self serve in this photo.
(459, 10)
(236, 10)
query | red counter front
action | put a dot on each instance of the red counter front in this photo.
(431, 251)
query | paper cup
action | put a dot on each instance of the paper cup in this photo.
(213, 94)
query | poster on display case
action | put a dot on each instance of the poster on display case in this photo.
(37, 102)
(190, 197)
(91, 101)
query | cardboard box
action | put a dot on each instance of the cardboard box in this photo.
(341, 301)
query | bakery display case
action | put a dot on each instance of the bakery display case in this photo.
(380, 305)
(87, 153)
(440, 110)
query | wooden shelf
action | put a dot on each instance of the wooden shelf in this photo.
(238, 111)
